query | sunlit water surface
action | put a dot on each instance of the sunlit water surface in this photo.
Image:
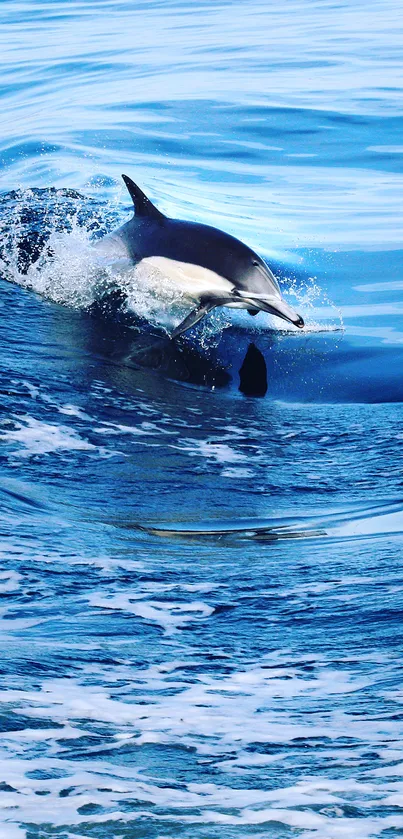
(202, 592)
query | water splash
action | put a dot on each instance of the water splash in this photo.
(45, 242)
(320, 313)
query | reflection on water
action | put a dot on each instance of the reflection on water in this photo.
(377, 520)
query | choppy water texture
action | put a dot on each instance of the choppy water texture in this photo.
(201, 592)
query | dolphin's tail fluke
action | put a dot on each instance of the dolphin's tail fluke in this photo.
(255, 303)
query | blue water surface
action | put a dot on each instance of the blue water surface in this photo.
(202, 591)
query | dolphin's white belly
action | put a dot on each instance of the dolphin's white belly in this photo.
(162, 289)
(192, 281)
(161, 276)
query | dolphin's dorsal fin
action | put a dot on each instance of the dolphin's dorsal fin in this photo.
(142, 204)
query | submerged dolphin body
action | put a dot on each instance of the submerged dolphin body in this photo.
(210, 268)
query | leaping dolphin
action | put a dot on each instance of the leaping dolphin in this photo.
(209, 267)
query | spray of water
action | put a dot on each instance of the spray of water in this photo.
(320, 314)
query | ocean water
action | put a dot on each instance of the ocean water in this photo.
(201, 590)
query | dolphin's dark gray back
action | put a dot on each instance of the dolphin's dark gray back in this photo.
(150, 233)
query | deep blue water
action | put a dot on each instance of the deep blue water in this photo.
(201, 591)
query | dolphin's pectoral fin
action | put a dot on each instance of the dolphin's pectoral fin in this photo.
(207, 303)
(253, 312)
(194, 316)
(142, 204)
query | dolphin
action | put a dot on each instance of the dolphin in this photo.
(209, 268)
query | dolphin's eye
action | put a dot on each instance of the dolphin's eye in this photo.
(255, 263)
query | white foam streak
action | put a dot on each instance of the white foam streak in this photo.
(218, 452)
(169, 615)
(35, 437)
(10, 581)
(216, 716)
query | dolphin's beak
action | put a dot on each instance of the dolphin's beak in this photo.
(278, 306)
(274, 305)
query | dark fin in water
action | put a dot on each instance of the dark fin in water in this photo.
(253, 373)
(194, 316)
(142, 204)
(253, 312)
